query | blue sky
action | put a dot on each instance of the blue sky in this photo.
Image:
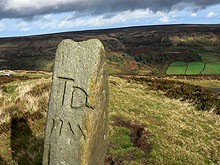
(31, 17)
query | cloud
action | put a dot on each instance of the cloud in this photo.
(164, 19)
(211, 14)
(125, 18)
(2, 27)
(96, 21)
(194, 14)
(28, 9)
(22, 26)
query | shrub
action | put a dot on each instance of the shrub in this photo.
(202, 98)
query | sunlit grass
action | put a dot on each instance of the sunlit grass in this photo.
(212, 68)
(23, 102)
(204, 83)
(181, 69)
(195, 67)
(179, 134)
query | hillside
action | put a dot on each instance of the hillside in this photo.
(146, 124)
(171, 49)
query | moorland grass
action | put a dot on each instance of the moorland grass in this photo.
(23, 113)
(203, 83)
(179, 134)
(44, 64)
(209, 57)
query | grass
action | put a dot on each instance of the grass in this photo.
(209, 58)
(204, 83)
(178, 133)
(122, 149)
(212, 68)
(22, 113)
(181, 135)
(209, 64)
(10, 89)
(176, 69)
(178, 63)
(34, 63)
(195, 67)
(44, 64)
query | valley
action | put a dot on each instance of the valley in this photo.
(164, 103)
(165, 49)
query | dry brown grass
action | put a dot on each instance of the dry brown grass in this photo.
(23, 113)
(27, 97)
(179, 134)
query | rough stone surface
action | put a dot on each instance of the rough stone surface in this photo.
(76, 128)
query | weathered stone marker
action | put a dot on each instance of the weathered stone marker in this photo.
(76, 128)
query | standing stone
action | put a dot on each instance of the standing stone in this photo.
(76, 128)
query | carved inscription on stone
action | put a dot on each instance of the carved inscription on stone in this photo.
(79, 97)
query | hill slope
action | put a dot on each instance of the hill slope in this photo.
(146, 126)
(136, 50)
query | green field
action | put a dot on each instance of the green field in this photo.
(212, 68)
(176, 69)
(210, 65)
(195, 67)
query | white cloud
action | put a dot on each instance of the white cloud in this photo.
(211, 14)
(96, 21)
(194, 14)
(24, 29)
(172, 14)
(164, 19)
(2, 26)
(22, 26)
(67, 21)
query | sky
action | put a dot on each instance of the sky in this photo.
(32, 17)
